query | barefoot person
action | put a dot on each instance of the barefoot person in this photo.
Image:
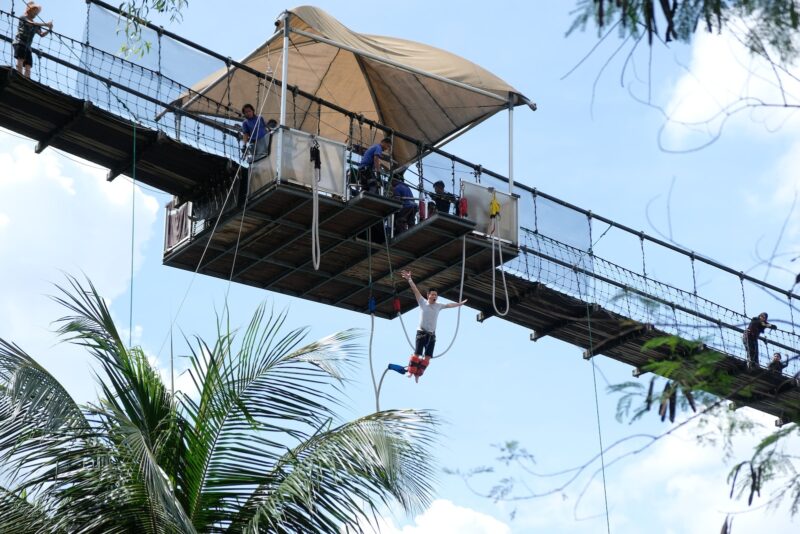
(28, 28)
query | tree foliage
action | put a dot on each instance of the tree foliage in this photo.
(138, 12)
(257, 447)
(770, 24)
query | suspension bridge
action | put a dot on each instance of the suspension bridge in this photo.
(561, 271)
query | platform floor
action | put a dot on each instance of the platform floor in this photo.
(267, 244)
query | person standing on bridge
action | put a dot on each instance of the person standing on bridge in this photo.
(426, 334)
(28, 28)
(750, 337)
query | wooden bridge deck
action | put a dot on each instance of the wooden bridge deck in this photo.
(547, 312)
(80, 128)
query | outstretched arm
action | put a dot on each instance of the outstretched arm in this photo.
(42, 32)
(407, 276)
(455, 304)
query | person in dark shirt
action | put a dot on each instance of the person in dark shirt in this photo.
(441, 199)
(404, 218)
(776, 365)
(26, 31)
(750, 337)
(369, 169)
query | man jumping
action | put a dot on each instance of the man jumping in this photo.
(426, 334)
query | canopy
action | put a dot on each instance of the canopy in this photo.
(419, 90)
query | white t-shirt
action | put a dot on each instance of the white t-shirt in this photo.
(428, 313)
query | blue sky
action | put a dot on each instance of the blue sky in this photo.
(598, 150)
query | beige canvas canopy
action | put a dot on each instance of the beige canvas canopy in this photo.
(421, 91)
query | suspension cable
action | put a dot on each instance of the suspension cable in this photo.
(133, 234)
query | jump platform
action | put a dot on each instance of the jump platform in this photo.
(266, 243)
(85, 130)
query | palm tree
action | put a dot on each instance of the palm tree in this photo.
(257, 448)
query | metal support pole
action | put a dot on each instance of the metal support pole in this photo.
(284, 89)
(510, 148)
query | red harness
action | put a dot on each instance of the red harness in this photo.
(417, 365)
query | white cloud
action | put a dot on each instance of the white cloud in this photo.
(59, 216)
(721, 78)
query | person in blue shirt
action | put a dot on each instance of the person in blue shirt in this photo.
(369, 169)
(255, 130)
(404, 218)
(26, 31)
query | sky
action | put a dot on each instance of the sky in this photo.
(594, 142)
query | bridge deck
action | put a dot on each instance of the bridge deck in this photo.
(80, 128)
(551, 313)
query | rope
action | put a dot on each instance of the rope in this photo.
(133, 235)
(596, 405)
(460, 297)
(261, 104)
(494, 213)
(315, 178)
(371, 308)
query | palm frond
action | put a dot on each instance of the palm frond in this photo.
(20, 516)
(257, 397)
(340, 475)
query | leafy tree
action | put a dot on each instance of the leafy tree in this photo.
(770, 23)
(688, 378)
(139, 12)
(257, 448)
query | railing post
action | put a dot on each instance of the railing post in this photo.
(510, 147)
(284, 88)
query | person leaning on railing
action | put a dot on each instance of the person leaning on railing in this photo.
(254, 132)
(750, 337)
(369, 170)
(28, 28)
(441, 200)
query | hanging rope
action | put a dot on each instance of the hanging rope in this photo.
(316, 177)
(460, 297)
(596, 400)
(371, 308)
(261, 105)
(494, 216)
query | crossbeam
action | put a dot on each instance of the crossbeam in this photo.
(513, 301)
(615, 341)
(136, 155)
(65, 126)
(555, 326)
